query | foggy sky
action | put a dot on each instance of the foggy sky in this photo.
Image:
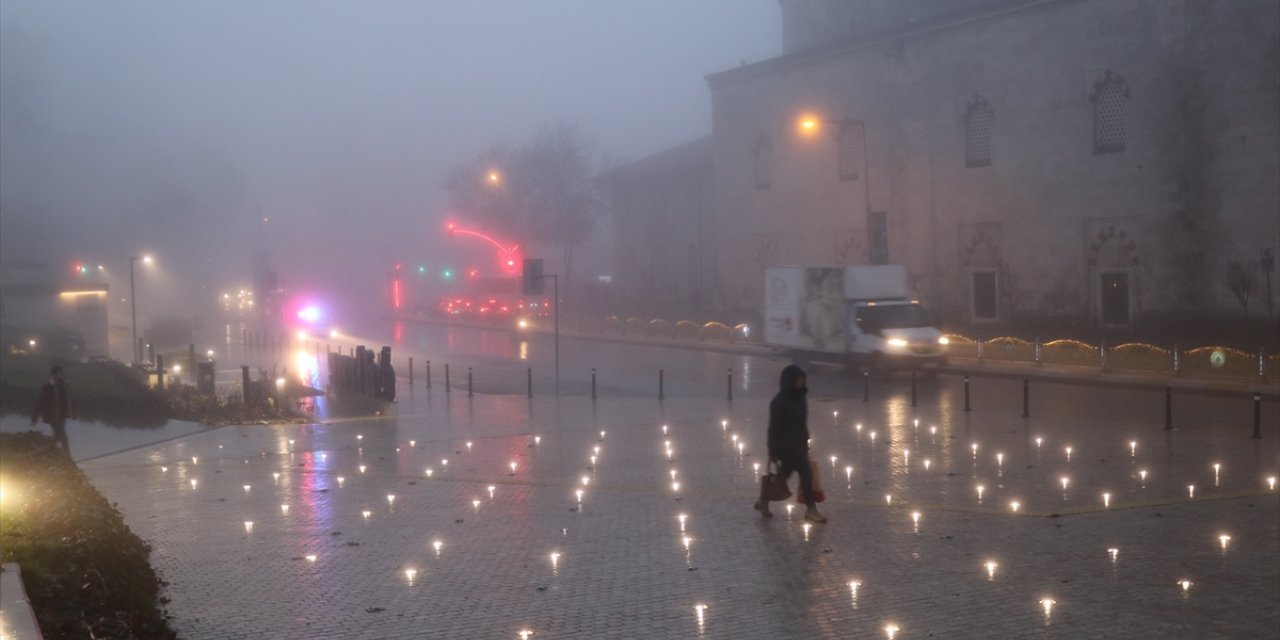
(175, 127)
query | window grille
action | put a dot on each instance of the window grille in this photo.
(977, 133)
(763, 170)
(848, 148)
(1109, 97)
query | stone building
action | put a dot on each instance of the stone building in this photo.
(662, 210)
(1093, 160)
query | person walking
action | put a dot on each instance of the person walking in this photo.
(789, 439)
(54, 407)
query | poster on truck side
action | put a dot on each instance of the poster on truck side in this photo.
(805, 309)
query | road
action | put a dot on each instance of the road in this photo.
(500, 361)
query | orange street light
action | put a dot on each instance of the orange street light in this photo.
(494, 177)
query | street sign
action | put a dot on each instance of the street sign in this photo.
(532, 277)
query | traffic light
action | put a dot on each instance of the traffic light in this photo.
(532, 276)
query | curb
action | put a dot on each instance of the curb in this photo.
(16, 617)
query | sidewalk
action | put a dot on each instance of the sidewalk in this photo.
(345, 516)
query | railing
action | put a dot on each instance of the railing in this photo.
(1211, 361)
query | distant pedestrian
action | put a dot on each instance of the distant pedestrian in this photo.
(789, 439)
(54, 407)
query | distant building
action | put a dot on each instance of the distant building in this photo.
(1084, 159)
(46, 313)
(662, 208)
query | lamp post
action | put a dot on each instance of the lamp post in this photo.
(809, 125)
(133, 305)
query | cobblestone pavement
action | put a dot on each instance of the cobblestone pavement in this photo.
(1068, 564)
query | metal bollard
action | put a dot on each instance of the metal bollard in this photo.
(866, 386)
(729, 383)
(1257, 416)
(1262, 364)
(410, 372)
(966, 393)
(1026, 398)
(660, 384)
(1102, 355)
(447, 388)
(593, 383)
(470, 392)
(1177, 361)
(529, 376)
(428, 374)
(980, 343)
(1037, 353)
(1168, 409)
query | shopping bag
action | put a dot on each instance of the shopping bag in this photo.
(818, 494)
(773, 486)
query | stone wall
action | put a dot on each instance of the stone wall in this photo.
(1194, 186)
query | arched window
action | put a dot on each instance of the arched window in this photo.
(1109, 95)
(763, 170)
(977, 132)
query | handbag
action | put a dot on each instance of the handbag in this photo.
(818, 494)
(773, 487)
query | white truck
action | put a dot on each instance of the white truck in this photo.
(859, 315)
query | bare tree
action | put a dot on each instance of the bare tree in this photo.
(562, 202)
(542, 190)
(1240, 279)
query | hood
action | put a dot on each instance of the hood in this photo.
(787, 381)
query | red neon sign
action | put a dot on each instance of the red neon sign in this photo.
(508, 257)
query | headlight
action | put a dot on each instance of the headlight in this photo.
(522, 323)
(896, 342)
(944, 340)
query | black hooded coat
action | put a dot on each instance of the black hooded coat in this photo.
(789, 418)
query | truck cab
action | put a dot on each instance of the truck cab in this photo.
(894, 334)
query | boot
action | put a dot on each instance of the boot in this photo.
(763, 507)
(811, 514)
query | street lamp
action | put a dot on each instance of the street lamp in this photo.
(810, 125)
(133, 305)
(494, 177)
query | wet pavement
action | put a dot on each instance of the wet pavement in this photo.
(330, 554)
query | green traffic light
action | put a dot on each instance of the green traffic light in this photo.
(421, 269)
(448, 273)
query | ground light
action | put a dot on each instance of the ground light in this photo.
(991, 567)
(1047, 604)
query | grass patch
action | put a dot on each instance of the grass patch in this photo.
(87, 574)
